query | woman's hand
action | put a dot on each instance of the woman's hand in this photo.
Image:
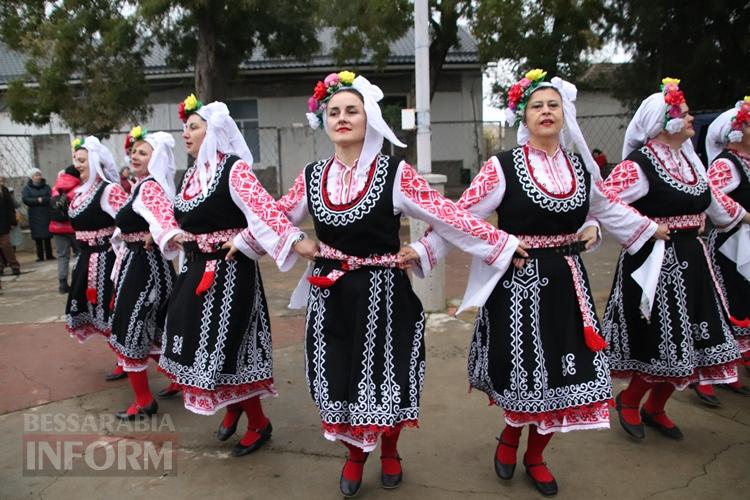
(589, 235)
(522, 256)
(229, 245)
(662, 233)
(148, 241)
(307, 248)
(175, 241)
(407, 257)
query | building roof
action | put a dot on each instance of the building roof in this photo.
(12, 63)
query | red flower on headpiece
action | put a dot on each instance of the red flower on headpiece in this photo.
(514, 94)
(181, 112)
(742, 118)
(674, 97)
(129, 141)
(320, 91)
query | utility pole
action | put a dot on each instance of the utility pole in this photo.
(431, 289)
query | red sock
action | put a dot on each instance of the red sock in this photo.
(139, 382)
(119, 370)
(534, 449)
(510, 435)
(234, 412)
(389, 462)
(656, 402)
(355, 463)
(256, 420)
(706, 389)
(735, 385)
(632, 397)
(746, 358)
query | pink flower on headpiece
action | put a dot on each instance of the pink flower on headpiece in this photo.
(524, 82)
(674, 112)
(312, 105)
(332, 79)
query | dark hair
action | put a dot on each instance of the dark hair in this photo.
(596, 151)
(349, 89)
(71, 170)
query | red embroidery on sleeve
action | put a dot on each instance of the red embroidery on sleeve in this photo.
(257, 199)
(419, 191)
(485, 181)
(622, 177)
(720, 174)
(117, 197)
(155, 199)
(289, 201)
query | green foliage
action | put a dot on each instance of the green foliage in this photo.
(84, 64)
(214, 37)
(705, 44)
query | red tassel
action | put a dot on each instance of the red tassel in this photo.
(112, 303)
(91, 295)
(594, 341)
(320, 281)
(742, 323)
(205, 283)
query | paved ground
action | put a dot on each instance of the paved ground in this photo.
(43, 372)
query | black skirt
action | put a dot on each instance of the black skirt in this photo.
(144, 285)
(217, 344)
(529, 354)
(733, 285)
(687, 338)
(365, 353)
(87, 310)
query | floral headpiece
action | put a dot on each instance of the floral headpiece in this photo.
(740, 121)
(674, 97)
(323, 92)
(76, 144)
(519, 93)
(136, 134)
(190, 105)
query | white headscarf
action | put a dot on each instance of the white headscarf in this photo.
(571, 132)
(717, 137)
(222, 135)
(161, 165)
(377, 128)
(648, 122)
(101, 163)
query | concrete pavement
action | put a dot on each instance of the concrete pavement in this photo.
(43, 372)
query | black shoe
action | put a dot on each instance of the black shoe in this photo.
(16, 272)
(116, 376)
(707, 399)
(241, 450)
(39, 259)
(504, 471)
(64, 288)
(224, 433)
(350, 488)
(634, 430)
(168, 392)
(742, 390)
(391, 481)
(547, 489)
(149, 410)
(670, 432)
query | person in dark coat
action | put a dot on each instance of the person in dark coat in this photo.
(36, 195)
(7, 222)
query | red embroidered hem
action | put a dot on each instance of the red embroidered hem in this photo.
(133, 364)
(591, 416)
(718, 374)
(362, 431)
(85, 332)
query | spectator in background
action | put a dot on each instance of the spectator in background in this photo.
(36, 195)
(7, 222)
(60, 226)
(126, 180)
(16, 238)
(600, 158)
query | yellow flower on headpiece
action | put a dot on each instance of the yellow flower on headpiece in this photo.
(346, 77)
(747, 98)
(76, 144)
(668, 81)
(191, 102)
(536, 74)
(136, 132)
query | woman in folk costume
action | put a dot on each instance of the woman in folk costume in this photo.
(143, 274)
(728, 150)
(365, 350)
(665, 322)
(537, 350)
(217, 340)
(92, 213)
